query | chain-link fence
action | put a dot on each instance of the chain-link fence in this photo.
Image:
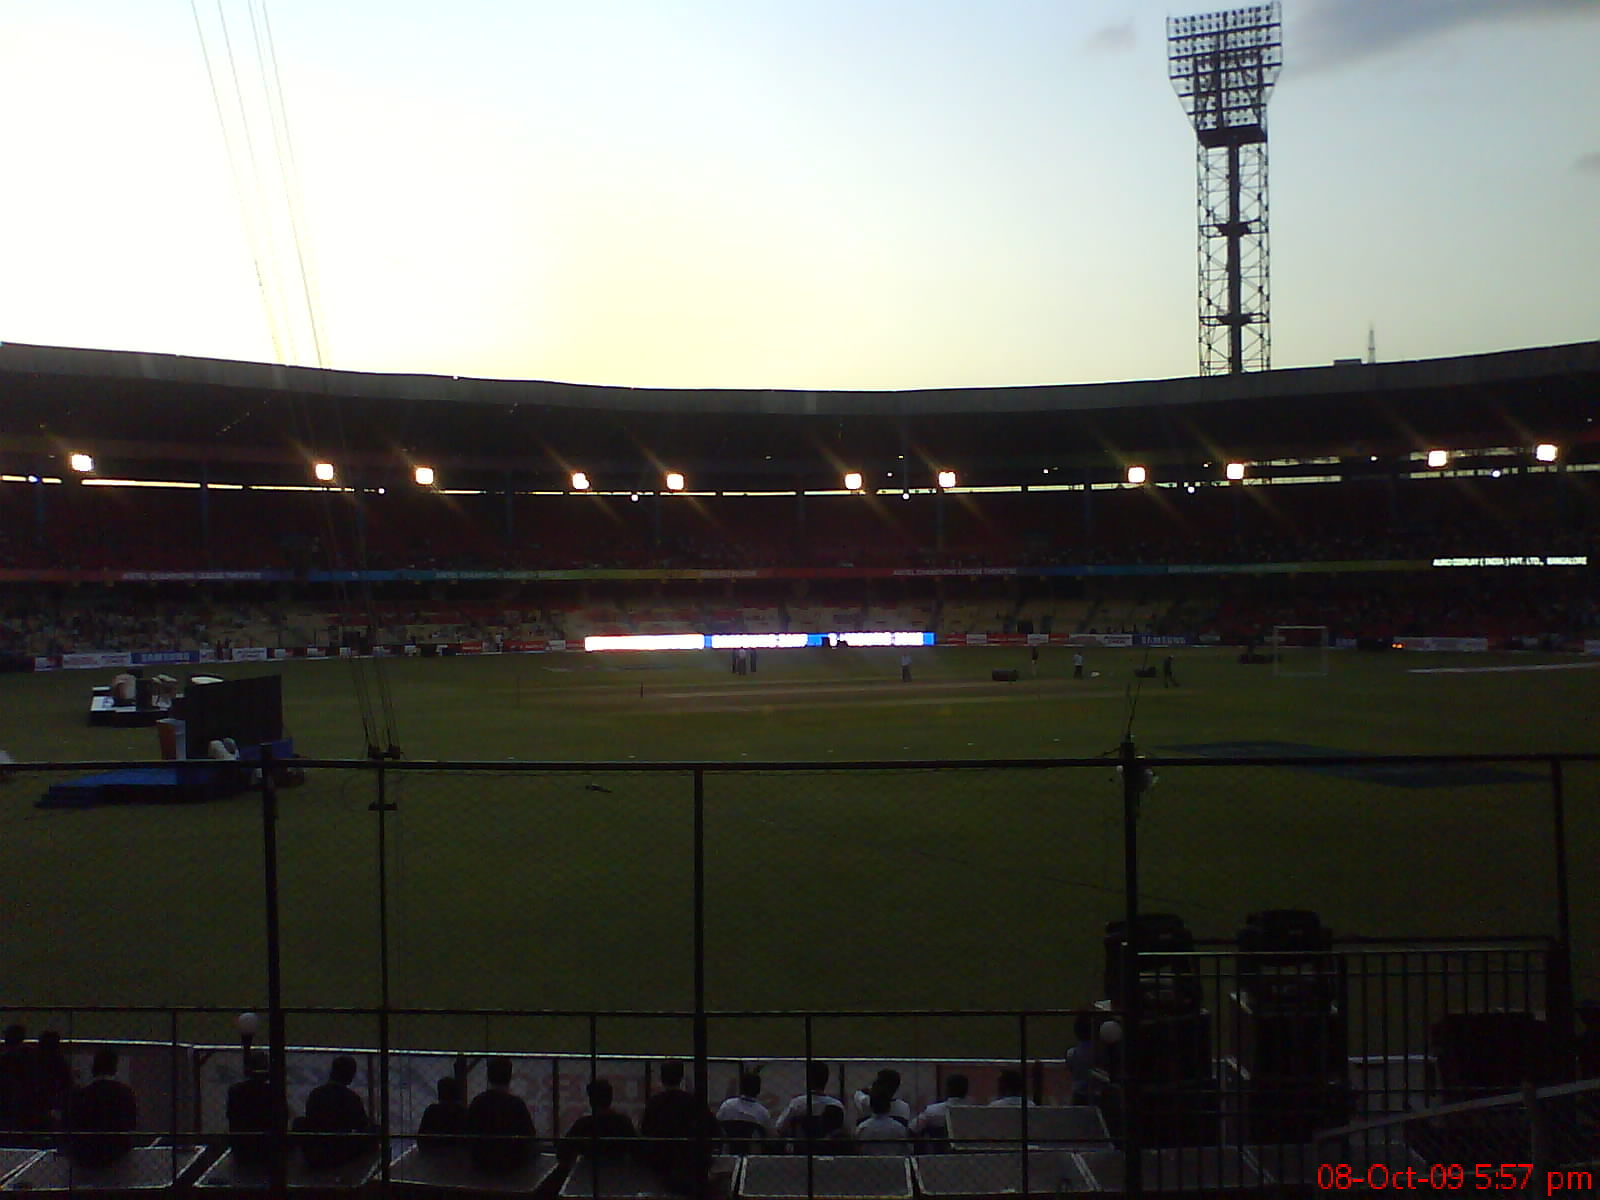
(943, 921)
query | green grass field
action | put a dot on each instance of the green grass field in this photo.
(826, 889)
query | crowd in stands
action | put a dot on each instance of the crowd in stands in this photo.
(92, 1122)
(1517, 606)
(96, 1122)
(77, 528)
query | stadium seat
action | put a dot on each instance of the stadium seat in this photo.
(228, 1173)
(435, 1173)
(613, 1181)
(784, 1177)
(1059, 1127)
(146, 1168)
(995, 1173)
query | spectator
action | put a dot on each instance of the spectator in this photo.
(444, 1122)
(933, 1122)
(335, 1123)
(602, 1134)
(683, 1129)
(744, 1118)
(15, 1085)
(833, 1136)
(1082, 1061)
(1589, 1040)
(499, 1123)
(49, 1079)
(804, 1112)
(101, 1116)
(883, 1133)
(887, 1080)
(1008, 1091)
(250, 1113)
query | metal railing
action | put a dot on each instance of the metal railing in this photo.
(337, 929)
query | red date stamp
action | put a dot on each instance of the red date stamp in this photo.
(1479, 1177)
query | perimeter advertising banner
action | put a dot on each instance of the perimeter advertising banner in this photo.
(96, 659)
(1442, 643)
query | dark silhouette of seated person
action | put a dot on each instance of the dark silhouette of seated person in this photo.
(335, 1128)
(678, 1131)
(831, 1135)
(1588, 1042)
(602, 1134)
(100, 1116)
(499, 1124)
(50, 1079)
(443, 1127)
(15, 1094)
(250, 1113)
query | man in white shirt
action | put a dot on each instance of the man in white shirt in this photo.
(881, 1133)
(888, 1082)
(746, 1108)
(1008, 1091)
(811, 1102)
(933, 1123)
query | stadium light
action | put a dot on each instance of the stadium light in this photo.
(323, 471)
(1137, 474)
(947, 479)
(82, 463)
(580, 482)
(852, 481)
(1438, 458)
(1545, 452)
(424, 476)
(674, 481)
(1235, 470)
(905, 495)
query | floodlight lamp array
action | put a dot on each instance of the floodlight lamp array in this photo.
(1252, 18)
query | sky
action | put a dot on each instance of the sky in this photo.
(836, 194)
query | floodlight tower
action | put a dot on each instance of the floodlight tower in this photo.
(1223, 65)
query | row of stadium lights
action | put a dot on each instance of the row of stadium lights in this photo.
(854, 481)
(1545, 452)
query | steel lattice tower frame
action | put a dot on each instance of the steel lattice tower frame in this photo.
(1222, 66)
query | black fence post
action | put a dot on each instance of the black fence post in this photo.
(1132, 779)
(1559, 1001)
(811, 1149)
(1027, 1089)
(702, 1072)
(277, 1051)
(382, 807)
(172, 1089)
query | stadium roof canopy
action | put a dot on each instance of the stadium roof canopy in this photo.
(142, 413)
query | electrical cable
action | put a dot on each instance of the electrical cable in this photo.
(252, 239)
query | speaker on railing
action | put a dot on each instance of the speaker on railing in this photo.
(1167, 986)
(1286, 960)
(1291, 1042)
